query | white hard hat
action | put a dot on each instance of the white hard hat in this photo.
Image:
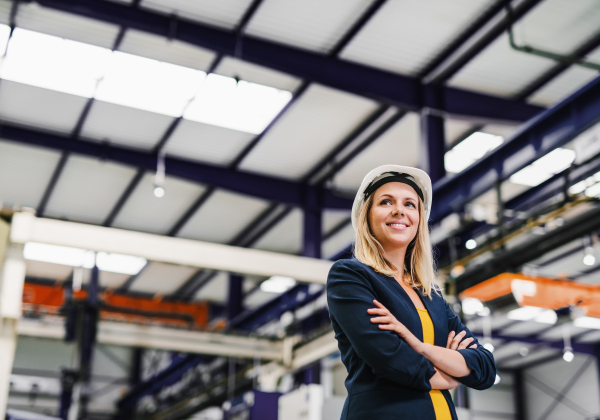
(419, 177)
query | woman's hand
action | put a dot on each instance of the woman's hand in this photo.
(455, 343)
(388, 322)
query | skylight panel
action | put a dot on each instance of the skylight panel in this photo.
(53, 63)
(147, 84)
(242, 105)
(542, 169)
(470, 150)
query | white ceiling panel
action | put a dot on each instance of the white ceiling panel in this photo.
(47, 270)
(222, 217)
(593, 277)
(286, 236)
(41, 108)
(162, 278)
(34, 17)
(207, 143)
(258, 298)
(243, 70)
(556, 333)
(124, 125)
(564, 85)
(216, 289)
(532, 357)
(312, 126)
(224, 13)
(107, 279)
(405, 35)
(24, 174)
(399, 145)
(143, 211)
(161, 48)
(309, 24)
(502, 130)
(501, 70)
(5, 7)
(454, 129)
(331, 218)
(338, 242)
(525, 328)
(88, 189)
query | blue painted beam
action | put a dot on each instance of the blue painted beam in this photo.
(381, 85)
(544, 133)
(265, 187)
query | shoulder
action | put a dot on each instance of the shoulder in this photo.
(348, 268)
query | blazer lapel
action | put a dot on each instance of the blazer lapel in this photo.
(438, 327)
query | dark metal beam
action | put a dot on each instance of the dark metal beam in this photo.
(268, 188)
(366, 81)
(549, 130)
(52, 184)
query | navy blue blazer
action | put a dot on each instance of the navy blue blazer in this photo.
(386, 378)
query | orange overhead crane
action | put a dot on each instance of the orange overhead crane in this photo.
(49, 299)
(542, 292)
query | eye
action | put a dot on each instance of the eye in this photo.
(386, 201)
(410, 203)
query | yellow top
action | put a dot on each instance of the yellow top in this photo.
(440, 406)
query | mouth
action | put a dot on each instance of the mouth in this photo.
(398, 226)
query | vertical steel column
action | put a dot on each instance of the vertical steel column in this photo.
(519, 395)
(313, 219)
(433, 138)
(68, 378)
(312, 374)
(235, 295)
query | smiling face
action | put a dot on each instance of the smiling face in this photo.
(394, 215)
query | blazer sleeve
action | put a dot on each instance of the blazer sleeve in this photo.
(480, 360)
(349, 295)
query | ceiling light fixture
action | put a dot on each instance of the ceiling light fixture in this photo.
(542, 169)
(159, 178)
(588, 257)
(277, 284)
(470, 150)
(471, 244)
(470, 306)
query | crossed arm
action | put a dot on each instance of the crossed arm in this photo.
(448, 362)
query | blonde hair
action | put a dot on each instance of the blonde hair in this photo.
(419, 270)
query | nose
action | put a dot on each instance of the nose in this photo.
(398, 211)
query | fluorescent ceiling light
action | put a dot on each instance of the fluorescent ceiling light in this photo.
(471, 244)
(147, 84)
(76, 257)
(587, 322)
(471, 306)
(593, 191)
(242, 106)
(277, 284)
(548, 316)
(542, 169)
(119, 263)
(470, 150)
(525, 313)
(53, 63)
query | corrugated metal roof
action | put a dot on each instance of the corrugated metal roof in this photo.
(124, 125)
(316, 123)
(332, 218)
(310, 24)
(243, 70)
(206, 143)
(162, 278)
(564, 85)
(338, 242)
(41, 108)
(88, 189)
(399, 145)
(143, 211)
(47, 270)
(5, 7)
(163, 49)
(454, 129)
(286, 236)
(215, 290)
(405, 35)
(34, 17)
(225, 13)
(501, 70)
(32, 167)
(223, 216)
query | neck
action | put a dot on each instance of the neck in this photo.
(395, 257)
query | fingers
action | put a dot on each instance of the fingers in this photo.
(463, 345)
(381, 320)
(450, 337)
(457, 339)
(474, 346)
(377, 311)
(379, 305)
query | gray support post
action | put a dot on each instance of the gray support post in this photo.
(312, 226)
(235, 295)
(12, 278)
(519, 395)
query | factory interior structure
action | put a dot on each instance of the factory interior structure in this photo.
(176, 180)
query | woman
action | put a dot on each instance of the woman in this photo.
(402, 345)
